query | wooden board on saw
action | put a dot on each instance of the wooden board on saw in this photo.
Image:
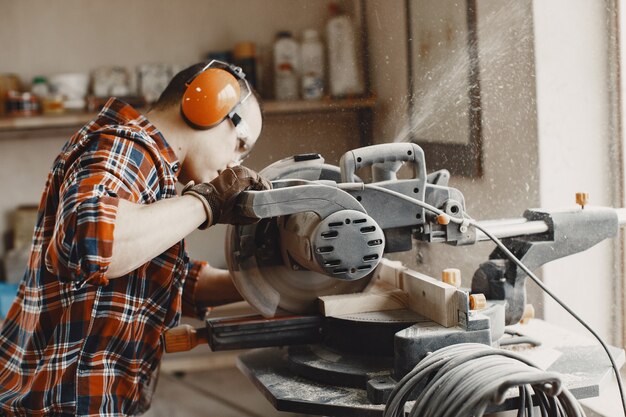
(393, 287)
(378, 297)
(431, 298)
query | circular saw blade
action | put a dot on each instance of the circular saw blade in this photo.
(256, 265)
(266, 283)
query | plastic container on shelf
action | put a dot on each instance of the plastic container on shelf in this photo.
(244, 56)
(8, 82)
(73, 87)
(22, 104)
(53, 104)
(344, 73)
(286, 66)
(312, 54)
(40, 87)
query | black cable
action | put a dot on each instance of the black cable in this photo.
(521, 393)
(541, 401)
(530, 410)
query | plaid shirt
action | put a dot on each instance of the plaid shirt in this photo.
(75, 343)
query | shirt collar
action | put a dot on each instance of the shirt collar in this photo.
(124, 114)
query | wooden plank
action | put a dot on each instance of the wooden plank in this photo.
(45, 121)
(431, 298)
(427, 296)
(396, 286)
(271, 107)
(75, 119)
(380, 297)
(390, 272)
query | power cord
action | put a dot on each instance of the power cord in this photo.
(467, 220)
(518, 339)
(464, 379)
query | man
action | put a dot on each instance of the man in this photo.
(108, 272)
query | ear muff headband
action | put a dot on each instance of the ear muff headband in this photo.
(210, 97)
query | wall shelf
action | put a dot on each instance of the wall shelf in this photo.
(271, 107)
(324, 105)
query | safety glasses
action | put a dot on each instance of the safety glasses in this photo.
(242, 128)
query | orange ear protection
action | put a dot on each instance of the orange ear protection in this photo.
(212, 95)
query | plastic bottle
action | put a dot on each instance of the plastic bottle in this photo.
(244, 55)
(286, 66)
(344, 74)
(312, 52)
(40, 87)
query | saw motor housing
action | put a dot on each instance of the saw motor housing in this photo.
(347, 244)
(323, 225)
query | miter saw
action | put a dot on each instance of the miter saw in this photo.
(314, 268)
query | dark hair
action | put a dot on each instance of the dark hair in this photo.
(173, 93)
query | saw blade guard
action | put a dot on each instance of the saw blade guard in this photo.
(284, 263)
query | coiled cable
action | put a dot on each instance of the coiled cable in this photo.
(464, 379)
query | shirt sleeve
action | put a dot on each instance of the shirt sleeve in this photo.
(189, 307)
(82, 243)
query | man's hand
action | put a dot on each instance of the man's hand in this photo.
(219, 196)
(215, 287)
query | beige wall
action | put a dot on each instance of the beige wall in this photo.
(43, 37)
(387, 46)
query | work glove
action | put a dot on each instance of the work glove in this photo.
(219, 196)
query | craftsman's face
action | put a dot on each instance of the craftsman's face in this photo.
(225, 146)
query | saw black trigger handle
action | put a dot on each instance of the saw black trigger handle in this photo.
(385, 159)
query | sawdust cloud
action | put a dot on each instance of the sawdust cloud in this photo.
(441, 101)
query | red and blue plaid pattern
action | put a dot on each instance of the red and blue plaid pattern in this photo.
(73, 342)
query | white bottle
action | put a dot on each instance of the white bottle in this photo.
(286, 66)
(312, 52)
(40, 88)
(344, 73)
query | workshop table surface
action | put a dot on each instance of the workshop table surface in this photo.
(210, 393)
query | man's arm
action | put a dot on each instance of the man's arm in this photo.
(144, 231)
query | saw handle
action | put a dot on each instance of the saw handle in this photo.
(184, 338)
(385, 159)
